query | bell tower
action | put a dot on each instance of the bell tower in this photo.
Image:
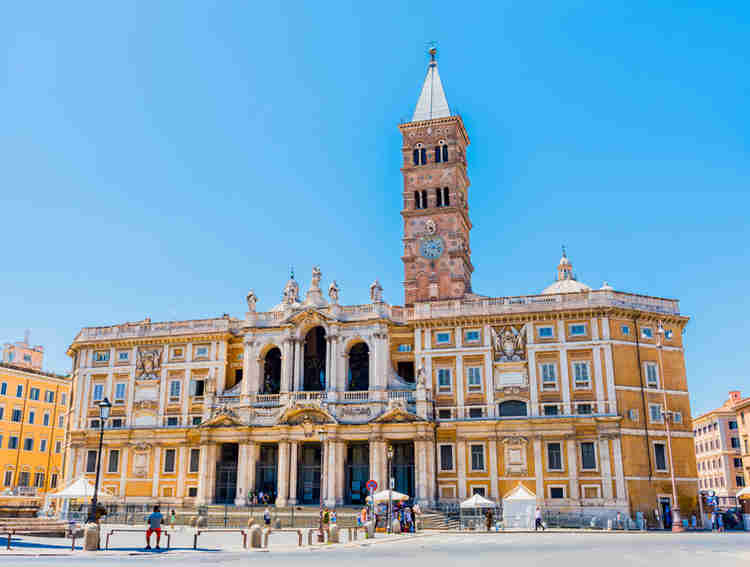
(437, 255)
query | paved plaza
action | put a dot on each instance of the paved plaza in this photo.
(433, 549)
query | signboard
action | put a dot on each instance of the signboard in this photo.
(371, 485)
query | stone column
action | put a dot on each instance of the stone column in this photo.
(533, 386)
(420, 460)
(287, 361)
(156, 470)
(605, 468)
(573, 493)
(620, 489)
(240, 496)
(299, 365)
(431, 470)
(252, 456)
(375, 467)
(461, 468)
(494, 486)
(207, 474)
(330, 456)
(341, 447)
(249, 370)
(539, 470)
(282, 482)
(294, 453)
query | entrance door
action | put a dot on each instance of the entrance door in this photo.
(666, 512)
(226, 474)
(265, 472)
(403, 468)
(357, 472)
(308, 473)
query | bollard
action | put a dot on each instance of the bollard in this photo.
(255, 537)
(395, 526)
(266, 533)
(609, 525)
(370, 529)
(91, 537)
(310, 533)
(277, 524)
(333, 534)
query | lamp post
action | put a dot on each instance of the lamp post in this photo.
(668, 416)
(104, 407)
(389, 454)
(322, 434)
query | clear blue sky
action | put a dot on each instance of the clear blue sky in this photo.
(161, 158)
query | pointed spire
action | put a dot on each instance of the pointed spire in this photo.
(432, 102)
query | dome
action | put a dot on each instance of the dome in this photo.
(564, 260)
(606, 287)
(566, 286)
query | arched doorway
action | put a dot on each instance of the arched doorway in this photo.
(314, 365)
(271, 372)
(512, 408)
(358, 378)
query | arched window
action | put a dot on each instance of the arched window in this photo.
(445, 153)
(417, 200)
(358, 378)
(424, 199)
(437, 154)
(423, 156)
(512, 408)
(438, 197)
(446, 197)
(272, 372)
(416, 157)
(314, 361)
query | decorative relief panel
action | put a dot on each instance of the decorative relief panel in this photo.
(514, 455)
(148, 363)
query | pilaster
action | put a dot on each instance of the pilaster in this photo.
(156, 472)
(294, 454)
(606, 468)
(494, 492)
(573, 492)
(539, 470)
(533, 387)
(461, 468)
(620, 489)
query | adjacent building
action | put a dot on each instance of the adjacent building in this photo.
(23, 354)
(719, 449)
(33, 410)
(562, 393)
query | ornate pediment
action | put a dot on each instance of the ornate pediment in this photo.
(310, 316)
(222, 416)
(306, 414)
(397, 413)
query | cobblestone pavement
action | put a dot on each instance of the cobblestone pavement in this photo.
(432, 549)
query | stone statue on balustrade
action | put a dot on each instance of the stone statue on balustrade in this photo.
(316, 275)
(376, 292)
(333, 292)
(251, 299)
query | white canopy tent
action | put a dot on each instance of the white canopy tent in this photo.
(382, 496)
(79, 489)
(519, 506)
(477, 501)
(473, 510)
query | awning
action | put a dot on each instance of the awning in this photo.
(382, 496)
(82, 488)
(477, 501)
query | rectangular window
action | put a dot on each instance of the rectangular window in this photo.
(2, 412)
(581, 374)
(740, 481)
(12, 442)
(8, 480)
(58, 447)
(551, 409)
(98, 393)
(101, 356)
(477, 457)
(584, 409)
(444, 414)
(61, 421)
(123, 356)
(32, 417)
(53, 480)
(472, 336)
(404, 348)
(39, 480)
(45, 420)
(554, 457)
(34, 394)
(556, 492)
(192, 491)
(195, 460)
(42, 445)
(677, 417)
(28, 444)
(197, 420)
(655, 413)
(3, 389)
(652, 375)
(197, 388)
(588, 456)
(660, 456)
(546, 332)
(16, 415)
(732, 425)
(646, 332)
(113, 465)
(442, 338)
(174, 390)
(444, 380)
(120, 392)
(94, 424)
(23, 478)
(169, 460)
(173, 421)
(446, 457)
(19, 391)
(475, 378)
(475, 413)
(625, 330)
(201, 352)
(577, 329)
(178, 353)
(738, 463)
(63, 399)
(549, 376)
(115, 423)
(49, 396)
(735, 441)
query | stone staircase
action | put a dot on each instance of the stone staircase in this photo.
(438, 520)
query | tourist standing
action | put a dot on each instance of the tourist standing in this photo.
(267, 516)
(538, 519)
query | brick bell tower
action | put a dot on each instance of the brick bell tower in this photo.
(437, 255)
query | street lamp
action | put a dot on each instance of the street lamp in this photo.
(390, 486)
(322, 434)
(104, 408)
(668, 416)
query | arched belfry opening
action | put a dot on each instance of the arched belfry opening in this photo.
(358, 378)
(272, 372)
(314, 364)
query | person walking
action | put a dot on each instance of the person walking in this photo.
(267, 516)
(172, 518)
(488, 520)
(538, 519)
(154, 525)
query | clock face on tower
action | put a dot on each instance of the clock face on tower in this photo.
(432, 248)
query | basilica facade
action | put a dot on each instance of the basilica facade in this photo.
(561, 394)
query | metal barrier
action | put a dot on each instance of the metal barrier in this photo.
(121, 530)
(199, 532)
